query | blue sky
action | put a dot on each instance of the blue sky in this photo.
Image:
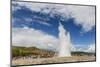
(78, 20)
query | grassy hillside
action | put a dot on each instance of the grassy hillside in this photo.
(36, 52)
(31, 51)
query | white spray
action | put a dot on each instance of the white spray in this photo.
(64, 42)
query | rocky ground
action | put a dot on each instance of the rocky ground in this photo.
(28, 61)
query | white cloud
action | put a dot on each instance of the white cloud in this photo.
(31, 21)
(15, 6)
(31, 37)
(37, 20)
(29, 5)
(78, 48)
(89, 48)
(41, 20)
(84, 15)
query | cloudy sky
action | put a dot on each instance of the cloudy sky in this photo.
(36, 24)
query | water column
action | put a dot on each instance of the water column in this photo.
(64, 42)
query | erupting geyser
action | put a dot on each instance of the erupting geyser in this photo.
(64, 42)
